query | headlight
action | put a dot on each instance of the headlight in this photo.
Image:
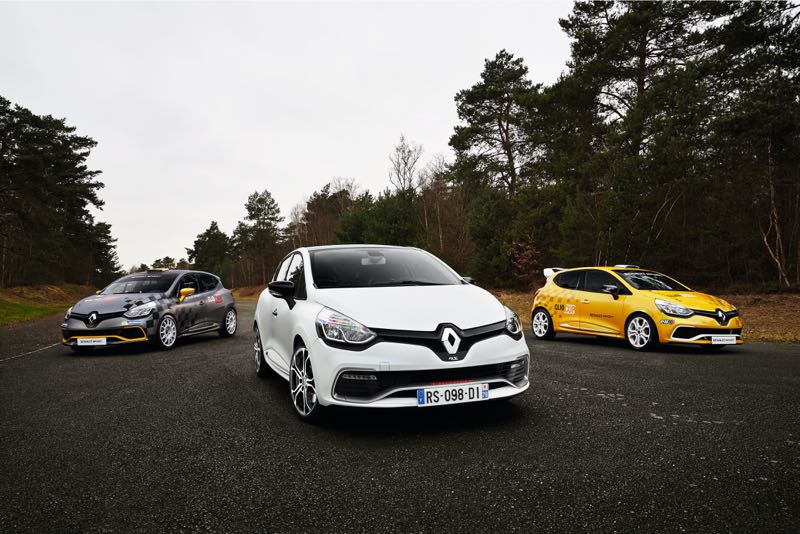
(512, 322)
(338, 327)
(670, 308)
(66, 315)
(141, 311)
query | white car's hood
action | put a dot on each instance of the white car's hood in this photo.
(421, 308)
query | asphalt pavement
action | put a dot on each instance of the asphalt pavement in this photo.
(606, 439)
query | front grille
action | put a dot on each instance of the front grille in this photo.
(127, 333)
(723, 319)
(379, 382)
(688, 332)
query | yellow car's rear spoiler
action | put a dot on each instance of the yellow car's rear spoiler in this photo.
(550, 271)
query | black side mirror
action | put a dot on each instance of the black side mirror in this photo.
(468, 279)
(283, 289)
(611, 290)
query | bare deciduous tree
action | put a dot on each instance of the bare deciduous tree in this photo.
(405, 160)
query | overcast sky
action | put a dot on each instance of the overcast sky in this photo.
(194, 106)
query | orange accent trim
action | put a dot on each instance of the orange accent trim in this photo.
(143, 338)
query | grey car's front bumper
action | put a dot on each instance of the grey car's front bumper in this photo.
(116, 331)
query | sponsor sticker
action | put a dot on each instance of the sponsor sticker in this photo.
(667, 321)
(570, 309)
(136, 323)
(218, 299)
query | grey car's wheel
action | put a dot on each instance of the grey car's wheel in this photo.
(229, 323)
(640, 332)
(302, 386)
(262, 368)
(542, 324)
(166, 333)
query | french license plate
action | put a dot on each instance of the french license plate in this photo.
(91, 341)
(723, 340)
(452, 394)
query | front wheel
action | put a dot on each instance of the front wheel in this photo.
(640, 332)
(262, 368)
(228, 326)
(302, 386)
(166, 333)
(542, 324)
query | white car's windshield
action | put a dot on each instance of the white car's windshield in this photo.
(378, 267)
(141, 283)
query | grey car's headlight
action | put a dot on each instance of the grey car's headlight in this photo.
(66, 315)
(142, 310)
(512, 322)
(336, 326)
(670, 308)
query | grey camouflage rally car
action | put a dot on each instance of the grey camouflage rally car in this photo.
(153, 306)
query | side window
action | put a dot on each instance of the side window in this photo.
(595, 280)
(296, 275)
(208, 282)
(569, 280)
(189, 280)
(280, 272)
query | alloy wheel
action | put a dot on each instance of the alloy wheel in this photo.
(639, 332)
(540, 324)
(301, 383)
(257, 349)
(230, 322)
(167, 331)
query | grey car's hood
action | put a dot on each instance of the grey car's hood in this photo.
(105, 304)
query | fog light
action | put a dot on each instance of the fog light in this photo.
(351, 376)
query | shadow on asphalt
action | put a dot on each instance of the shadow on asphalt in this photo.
(371, 422)
(619, 344)
(143, 348)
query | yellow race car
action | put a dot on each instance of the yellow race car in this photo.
(643, 307)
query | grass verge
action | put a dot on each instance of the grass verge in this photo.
(14, 312)
(24, 303)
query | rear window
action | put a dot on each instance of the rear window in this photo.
(378, 267)
(569, 280)
(651, 281)
(141, 283)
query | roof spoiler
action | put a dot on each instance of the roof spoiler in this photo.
(626, 266)
(550, 271)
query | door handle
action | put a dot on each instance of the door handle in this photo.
(585, 301)
(275, 312)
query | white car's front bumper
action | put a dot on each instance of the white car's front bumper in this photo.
(400, 369)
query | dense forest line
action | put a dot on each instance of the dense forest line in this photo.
(672, 140)
(47, 233)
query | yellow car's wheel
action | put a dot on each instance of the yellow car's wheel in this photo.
(640, 332)
(542, 324)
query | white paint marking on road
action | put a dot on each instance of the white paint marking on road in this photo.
(30, 352)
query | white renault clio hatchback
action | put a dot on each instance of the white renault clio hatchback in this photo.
(380, 326)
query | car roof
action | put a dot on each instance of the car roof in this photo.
(355, 245)
(605, 268)
(170, 271)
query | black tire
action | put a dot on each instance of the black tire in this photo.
(304, 402)
(262, 367)
(162, 339)
(228, 329)
(542, 324)
(640, 332)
